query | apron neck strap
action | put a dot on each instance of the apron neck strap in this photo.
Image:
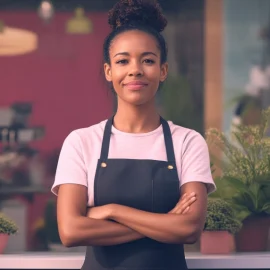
(106, 139)
(167, 138)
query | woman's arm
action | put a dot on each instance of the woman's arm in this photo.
(167, 228)
(71, 186)
(76, 229)
(195, 177)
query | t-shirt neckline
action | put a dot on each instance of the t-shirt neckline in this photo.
(119, 132)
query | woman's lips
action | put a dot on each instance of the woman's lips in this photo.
(135, 85)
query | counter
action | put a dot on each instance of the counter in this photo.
(75, 260)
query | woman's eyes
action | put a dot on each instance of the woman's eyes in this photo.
(125, 61)
(122, 62)
(149, 61)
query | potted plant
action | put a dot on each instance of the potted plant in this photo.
(7, 227)
(220, 227)
(245, 179)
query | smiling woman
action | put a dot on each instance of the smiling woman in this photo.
(135, 69)
(135, 46)
(133, 188)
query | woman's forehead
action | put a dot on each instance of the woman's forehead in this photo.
(134, 42)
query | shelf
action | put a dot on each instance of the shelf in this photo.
(69, 260)
(27, 192)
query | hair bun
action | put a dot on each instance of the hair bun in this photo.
(143, 12)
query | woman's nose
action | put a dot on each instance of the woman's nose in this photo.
(135, 70)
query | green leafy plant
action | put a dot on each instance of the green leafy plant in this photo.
(177, 104)
(7, 226)
(245, 181)
(50, 223)
(220, 217)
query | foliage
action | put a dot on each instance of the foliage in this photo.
(178, 106)
(220, 217)
(50, 220)
(7, 226)
(245, 182)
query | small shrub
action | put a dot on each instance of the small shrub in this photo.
(220, 217)
(7, 226)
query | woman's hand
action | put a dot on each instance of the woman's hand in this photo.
(182, 207)
(99, 212)
(172, 227)
(104, 212)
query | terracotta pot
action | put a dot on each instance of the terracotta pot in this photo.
(3, 242)
(253, 236)
(217, 242)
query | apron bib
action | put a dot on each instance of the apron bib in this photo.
(148, 185)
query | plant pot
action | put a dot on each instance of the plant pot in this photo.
(253, 236)
(217, 242)
(3, 242)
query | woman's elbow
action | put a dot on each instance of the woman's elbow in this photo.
(189, 235)
(67, 236)
(192, 239)
(193, 235)
(67, 241)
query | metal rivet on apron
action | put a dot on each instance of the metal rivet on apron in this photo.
(103, 164)
(170, 167)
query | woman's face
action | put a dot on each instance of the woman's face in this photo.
(135, 69)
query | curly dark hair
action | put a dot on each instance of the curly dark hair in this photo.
(128, 12)
(143, 15)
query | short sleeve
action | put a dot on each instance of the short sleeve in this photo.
(196, 161)
(71, 167)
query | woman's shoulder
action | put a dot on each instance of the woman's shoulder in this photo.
(85, 135)
(184, 134)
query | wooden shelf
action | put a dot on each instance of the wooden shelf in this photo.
(28, 192)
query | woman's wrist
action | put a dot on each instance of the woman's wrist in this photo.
(113, 210)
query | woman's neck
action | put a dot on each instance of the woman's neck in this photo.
(136, 119)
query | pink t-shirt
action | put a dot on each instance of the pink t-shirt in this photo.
(81, 151)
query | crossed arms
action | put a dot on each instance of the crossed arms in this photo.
(116, 224)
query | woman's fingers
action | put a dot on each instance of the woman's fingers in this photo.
(184, 207)
(184, 204)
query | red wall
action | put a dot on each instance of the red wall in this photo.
(62, 78)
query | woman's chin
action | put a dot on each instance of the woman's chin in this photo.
(138, 99)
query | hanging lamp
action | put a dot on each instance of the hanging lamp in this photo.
(79, 23)
(16, 41)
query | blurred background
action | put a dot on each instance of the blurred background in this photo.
(51, 82)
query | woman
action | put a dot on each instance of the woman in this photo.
(145, 180)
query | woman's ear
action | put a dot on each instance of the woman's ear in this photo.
(107, 71)
(164, 72)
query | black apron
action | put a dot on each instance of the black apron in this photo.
(148, 185)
